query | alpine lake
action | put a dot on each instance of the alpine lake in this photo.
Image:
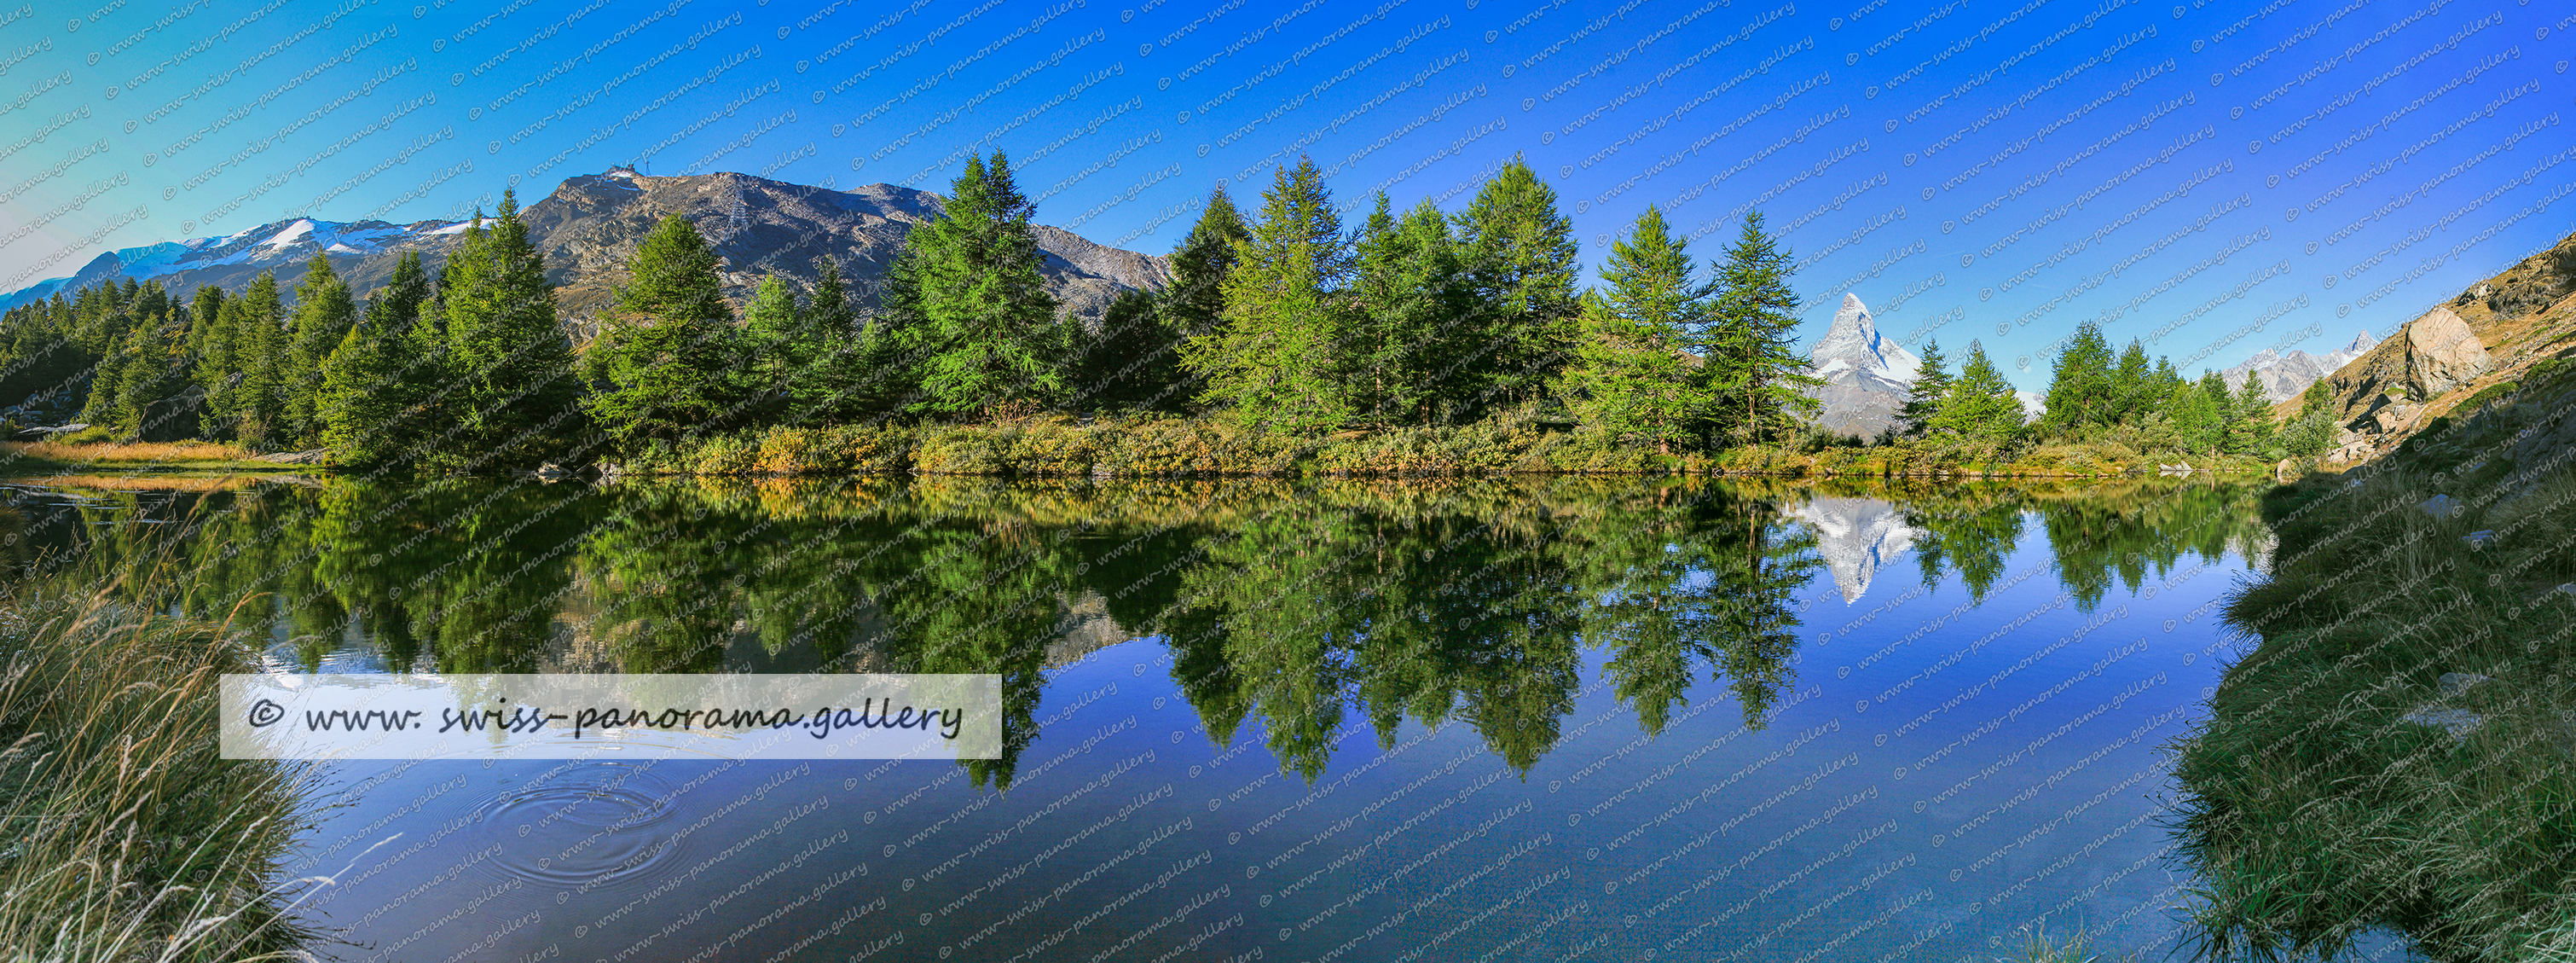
(1245, 719)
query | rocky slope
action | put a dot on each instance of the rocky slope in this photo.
(591, 225)
(2456, 357)
(1866, 375)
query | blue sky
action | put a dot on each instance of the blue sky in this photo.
(2216, 178)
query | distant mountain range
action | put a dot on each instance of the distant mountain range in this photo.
(2284, 376)
(589, 229)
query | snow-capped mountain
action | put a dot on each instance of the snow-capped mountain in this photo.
(1866, 375)
(589, 228)
(2285, 375)
(1855, 536)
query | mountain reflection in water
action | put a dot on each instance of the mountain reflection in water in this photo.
(1296, 615)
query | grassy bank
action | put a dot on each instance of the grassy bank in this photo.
(1154, 447)
(20, 459)
(2399, 748)
(127, 837)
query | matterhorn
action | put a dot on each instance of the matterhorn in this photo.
(1866, 376)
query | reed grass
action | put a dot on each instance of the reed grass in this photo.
(124, 836)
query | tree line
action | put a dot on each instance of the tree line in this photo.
(1281, 319)
(2094, 395)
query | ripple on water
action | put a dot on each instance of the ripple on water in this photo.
(590, 826)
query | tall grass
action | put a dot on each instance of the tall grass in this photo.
(2320, 804)
(123, 833)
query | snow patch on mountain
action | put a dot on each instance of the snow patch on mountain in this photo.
(1867, 375)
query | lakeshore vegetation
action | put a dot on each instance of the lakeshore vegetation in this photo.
(1416, 342)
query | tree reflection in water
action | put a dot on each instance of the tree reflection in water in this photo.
(1306, 607)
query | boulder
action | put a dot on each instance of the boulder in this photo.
(2442, 353)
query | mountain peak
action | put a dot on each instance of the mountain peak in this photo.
(1866, 375)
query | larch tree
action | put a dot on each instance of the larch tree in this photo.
(1273, 361)
(665, 362)
(987, 344)
(1519, 255)
(1923, 398)
(1754, 372)
(1981, 405)
(1631, 375)
(517, 396)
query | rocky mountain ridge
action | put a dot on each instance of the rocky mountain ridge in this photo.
(2284, 376)
(591, 225)
(2457, 357)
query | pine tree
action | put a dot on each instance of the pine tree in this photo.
(828, 387)
(259, 355)
(885, 378)
(516, 394)
(1981, 405)
(2081, 394)
(2252, 421)
(149, 390)
(1755, 375)
(1194, 303)
(1923, 398)
(210, 340)
(322, 318)
(1416, 359)
(2133, 390)
(988, 342)
(380, 384)
(2313, 432)
(777, 344)
(1631, 375)
(1271, 361)
(1519, 254)
(667, 356)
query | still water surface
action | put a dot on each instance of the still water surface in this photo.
(1602, 719)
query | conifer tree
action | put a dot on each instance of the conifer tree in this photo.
(1631, 375)
(156, 375)
(1519, 254)
(379, 384)
(1923, 398)
(2133, 389)
(667, 357)
(322, 318)
(1981, 405)
(1191, 306)
(886, 377)
(2081, 394)
(1132, 361)
(777, 346)
(2252, 422)
(515, 395)
(2313, 432)
(258, 348)
(1755, 375)
(988, 343)
(824, 387)
(1195, 302)
(1272, 361)
(1416, 359)
(211, 337)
